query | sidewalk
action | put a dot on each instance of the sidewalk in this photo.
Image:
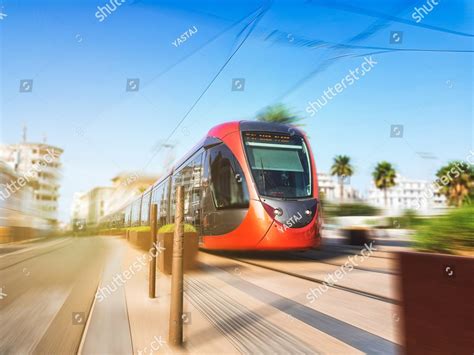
(149, 317)
(228, 309)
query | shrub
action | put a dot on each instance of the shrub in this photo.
(140, 229)
(408, 220)
(448, 233)
(169, 228)
(350, 209)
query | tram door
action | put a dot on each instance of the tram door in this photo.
(225, 197)
(195, 192)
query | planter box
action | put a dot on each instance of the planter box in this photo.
(437, 294)
(165, 257)
(357, 235)
(141, 240)
(17, 234)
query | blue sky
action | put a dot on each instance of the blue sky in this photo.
(80, 65)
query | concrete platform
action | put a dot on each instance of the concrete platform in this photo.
(232, 308)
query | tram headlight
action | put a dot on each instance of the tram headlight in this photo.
(278, 212)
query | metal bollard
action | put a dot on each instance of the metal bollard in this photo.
(176, 307)
(153, 252)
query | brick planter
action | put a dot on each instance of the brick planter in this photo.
(357, 235)
(16, 234)
(437, 294)
(165, 257)
(141, 240)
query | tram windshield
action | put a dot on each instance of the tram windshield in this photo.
(280, 164)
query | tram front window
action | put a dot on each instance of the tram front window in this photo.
(280, 164)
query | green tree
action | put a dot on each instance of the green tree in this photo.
(342, 168)
(456, 182)
(278, 113)
(384, 178)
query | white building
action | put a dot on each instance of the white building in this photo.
(89, 207)
(19, 217)
(126, 187)
(39, 164)
(80, 206)
(419, 195)
(330, 187)
(98, 198)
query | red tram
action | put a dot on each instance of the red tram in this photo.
(248, 185)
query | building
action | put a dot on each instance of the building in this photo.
(79, 210)
(98, 198)
(331, 189)
(21, 199)
(89, 207)
(80, 206)
(19, 217)
(419, 195)
(39, 164)
(126, 187)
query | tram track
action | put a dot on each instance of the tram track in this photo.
(355, 335)
(352, 290)
(350, 250)
(33, 253)
(322, 261)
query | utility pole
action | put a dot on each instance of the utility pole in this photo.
(153, 252)
(176, 308)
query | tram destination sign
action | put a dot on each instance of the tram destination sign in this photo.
(267, 137)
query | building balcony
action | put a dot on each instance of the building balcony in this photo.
(46, 192)
(54, 172)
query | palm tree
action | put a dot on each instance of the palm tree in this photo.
(278, 113)
(342, 168)
(456, 182)
(384, 178)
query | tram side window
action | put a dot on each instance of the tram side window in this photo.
(145, 212)
(176, 181)
(121, 219)
(127, 216)
(159, 198)
(183, 177)
(196, 190)
(165, 207)
(228, 185)
(187, 181)
(135, 221)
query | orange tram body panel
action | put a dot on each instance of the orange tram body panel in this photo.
(248, 185)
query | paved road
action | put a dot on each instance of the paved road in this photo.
(49, 286)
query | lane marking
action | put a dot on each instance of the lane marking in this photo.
(41, 246)
(36, 255)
